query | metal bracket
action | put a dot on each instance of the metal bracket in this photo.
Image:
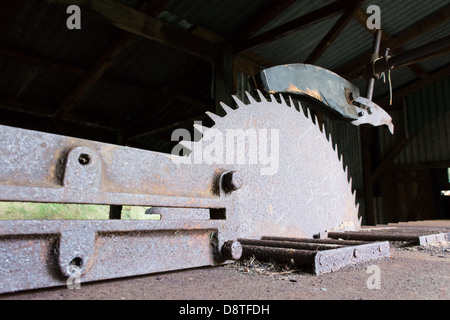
(330, 93)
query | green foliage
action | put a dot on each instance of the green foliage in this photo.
(47, 211)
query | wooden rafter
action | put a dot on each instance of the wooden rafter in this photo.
(143, 25)
(295, 25)
(262, 18)
(41, 112)
(354, 69)
(65, 67)
(334, 32)
(144, 121)
(105, 62)
(100, 68)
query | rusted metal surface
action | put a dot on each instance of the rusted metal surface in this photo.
(318, 241)
(412, 234)
(330, 91)
(314, 257)
(298, 188)
(299, 192)
(231, 250)
(38, 254)
(44, 167)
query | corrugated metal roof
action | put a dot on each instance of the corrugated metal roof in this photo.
(296, 47)
(351, 42)
(427, 116)
(37, 29)
(150, 64)
(223, 17)
(296, 10)
(398, 15)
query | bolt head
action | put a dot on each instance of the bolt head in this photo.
(232, 250)
(232, 181)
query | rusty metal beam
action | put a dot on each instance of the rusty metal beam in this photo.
(318, 257)
(66, 252)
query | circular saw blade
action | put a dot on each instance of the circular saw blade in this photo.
(294, 183)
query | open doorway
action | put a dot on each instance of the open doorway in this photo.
(441, 190)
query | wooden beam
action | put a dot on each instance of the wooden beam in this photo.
(366, 142)
(141, 24)
(165, 126)
(355, 68)
(64, 67)
(8, 12)
(387, 161)
(192, 74)
(41, 112)
(262, 18)
(100, 68)
(66, 127)
(332, 34)
(41, 61)
(295, 25)
(105, 62)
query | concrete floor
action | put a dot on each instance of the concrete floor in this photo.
(410, 273)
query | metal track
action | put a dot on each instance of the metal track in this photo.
(317, 256)
(39, 254)
(410, 233)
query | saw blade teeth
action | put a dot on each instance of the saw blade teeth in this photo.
(307, 113)
(186, 144)
(214, 117)
(200, 128)
(292, 103)
(283, 101)
(271, 98)
(251, 98)
(226, 108)
(238, 101)
(261, 96)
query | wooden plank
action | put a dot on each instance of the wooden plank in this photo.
(141, 24)
(295, 25)
(332, 34)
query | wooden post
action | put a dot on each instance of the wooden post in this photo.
(223, 79)
(366, 141)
